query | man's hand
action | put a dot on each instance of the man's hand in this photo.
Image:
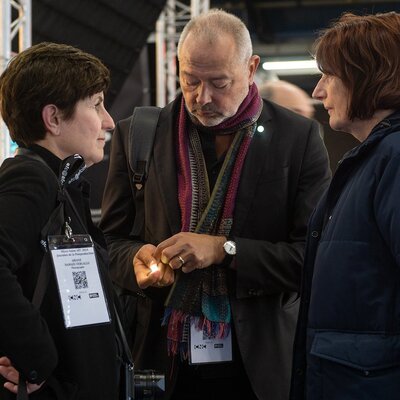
(191, 251)
(8, 372)
(149, 270)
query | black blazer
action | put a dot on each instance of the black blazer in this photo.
(79, 363)
(284, 174)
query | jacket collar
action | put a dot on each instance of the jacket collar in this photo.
(350, 160)
(51, 160)
(387, 126)
(55, 164)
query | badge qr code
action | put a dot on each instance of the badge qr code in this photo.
(80, 280)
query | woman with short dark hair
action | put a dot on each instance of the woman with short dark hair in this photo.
(57, 330)
(348, 335)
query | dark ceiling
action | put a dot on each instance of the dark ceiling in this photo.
(113, 30)
(287, 29)
(117, 30)
(279, 21)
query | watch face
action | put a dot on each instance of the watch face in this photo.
(230, 247)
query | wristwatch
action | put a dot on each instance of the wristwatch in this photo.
(230, 247)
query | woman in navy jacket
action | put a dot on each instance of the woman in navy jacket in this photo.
(348, 336)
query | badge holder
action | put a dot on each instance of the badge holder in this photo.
(78, 279)
(206, 350)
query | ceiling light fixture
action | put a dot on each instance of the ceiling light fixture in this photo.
(292, 67)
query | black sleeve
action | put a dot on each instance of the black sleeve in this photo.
(27, 198)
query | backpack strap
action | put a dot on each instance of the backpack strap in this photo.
(53, 225)
(142, 131)
(56, 222)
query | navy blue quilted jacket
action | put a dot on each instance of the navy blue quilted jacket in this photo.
(348, 335)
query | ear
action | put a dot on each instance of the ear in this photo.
(253, 65)
(52, 118)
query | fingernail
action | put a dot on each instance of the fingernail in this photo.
(164, 259)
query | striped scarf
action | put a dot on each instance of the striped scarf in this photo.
(202, 295)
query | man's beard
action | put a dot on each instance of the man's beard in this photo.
(207, 121)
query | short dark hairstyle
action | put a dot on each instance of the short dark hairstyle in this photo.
(47, 73)
(364, 52)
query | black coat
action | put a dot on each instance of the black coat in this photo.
(79, 363)
(285, 171)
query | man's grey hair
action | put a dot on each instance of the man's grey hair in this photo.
(214, 22)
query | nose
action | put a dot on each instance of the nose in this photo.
(107, 122)
(319, 91)
(204, 94)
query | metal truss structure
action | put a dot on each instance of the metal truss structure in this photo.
(16, 20)
(168, 28)
(16, 17)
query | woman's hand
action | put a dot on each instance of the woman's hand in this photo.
(8, 372)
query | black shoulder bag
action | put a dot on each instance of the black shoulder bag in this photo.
(141, 134)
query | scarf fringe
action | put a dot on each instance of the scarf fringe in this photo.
(174, 348)
(212, 329)
(179, 330)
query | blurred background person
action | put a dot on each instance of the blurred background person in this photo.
(288, 95)
(347, 342)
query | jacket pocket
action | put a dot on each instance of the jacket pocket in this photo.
(354, 366)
